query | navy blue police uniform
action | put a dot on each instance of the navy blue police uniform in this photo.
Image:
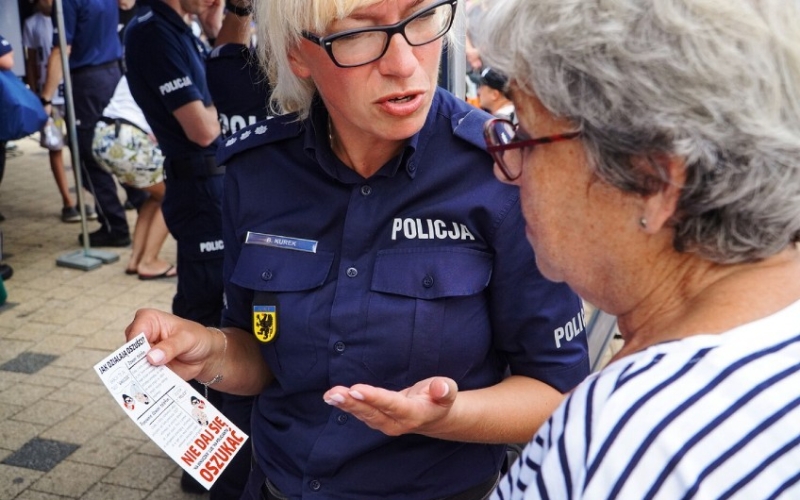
(166, 70)
(90, 29)
(421, 270)
(239, 90)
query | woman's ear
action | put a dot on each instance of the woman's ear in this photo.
(297, 62)
(661, 205)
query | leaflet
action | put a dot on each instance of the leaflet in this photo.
(176, 417)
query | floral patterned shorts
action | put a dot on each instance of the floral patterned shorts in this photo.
(129, 153)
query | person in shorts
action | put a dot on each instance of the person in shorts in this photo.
(125, 146)
(37, 39)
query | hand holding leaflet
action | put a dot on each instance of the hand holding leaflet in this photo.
(176, 417)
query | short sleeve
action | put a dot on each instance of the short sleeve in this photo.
(538, 324)
(70, 21)
(168, 75)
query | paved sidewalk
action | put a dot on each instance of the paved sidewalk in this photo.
(61, 433)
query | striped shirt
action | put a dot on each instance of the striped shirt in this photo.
(706, 417)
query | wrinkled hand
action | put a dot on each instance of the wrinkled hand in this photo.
(183, 345)
(420, 409)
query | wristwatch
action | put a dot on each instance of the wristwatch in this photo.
(45, 102)
(238, 11)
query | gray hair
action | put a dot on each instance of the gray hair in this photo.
(279, 25)
(714, 82)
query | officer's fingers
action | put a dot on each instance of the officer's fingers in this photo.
(151, 322)
(182, 345)
(443, 390)
(389, 402)
(361, 400)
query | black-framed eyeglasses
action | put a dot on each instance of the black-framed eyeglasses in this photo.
(506, 147)
(360, 46)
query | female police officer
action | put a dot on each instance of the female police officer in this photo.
(370, 253)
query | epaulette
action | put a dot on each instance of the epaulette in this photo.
(273, 129)
(468, 126)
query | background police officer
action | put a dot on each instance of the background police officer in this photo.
(94, 61)
(240, 93)
(166, 73)
(238, 87)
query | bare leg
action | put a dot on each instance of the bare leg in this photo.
(57, 167)
(149, 235)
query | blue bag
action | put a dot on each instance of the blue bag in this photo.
(21, 113)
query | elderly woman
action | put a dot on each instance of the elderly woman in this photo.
(381, 298)
(658, 162)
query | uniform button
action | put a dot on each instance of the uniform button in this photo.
(339, 346)
(266, 275)
(342, 418)
(352, 272)
(366, 190)
(427, 281)
(314, 485)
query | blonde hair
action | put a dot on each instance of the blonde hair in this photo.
(279, 27)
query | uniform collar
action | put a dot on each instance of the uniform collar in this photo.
(317, 144)
(169, 14)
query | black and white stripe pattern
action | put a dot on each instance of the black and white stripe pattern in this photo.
(707, 417)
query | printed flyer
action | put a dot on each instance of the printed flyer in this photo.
(176, 417)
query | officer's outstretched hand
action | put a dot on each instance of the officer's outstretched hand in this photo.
(185, 346)
(421, 409)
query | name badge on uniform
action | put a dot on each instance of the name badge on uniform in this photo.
(265, 316)
(286, 242)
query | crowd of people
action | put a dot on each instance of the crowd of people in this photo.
(396, 264)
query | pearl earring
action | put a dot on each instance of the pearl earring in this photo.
(643, 223)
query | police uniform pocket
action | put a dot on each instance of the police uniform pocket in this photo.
(428, 314)
(292, 279)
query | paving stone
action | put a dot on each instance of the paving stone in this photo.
(170, 489)
(14, 434)
(105, 341)
(8, 410)
(5, 330)
(46, 412)
(126, 428)
(93, 387)
(104, 491)
(84, 327)
(70, 479)
(89, 376)
(150, 448)
(58, 344)
(105, 450)
(53, 376)
(40, 454)
(38, 495)
(57, 313)
(104, 409)
(10, 348)
(81, 358)
(76, 429)
(14, 480)
(141, 471)
(7, 379)
(24, 394)
(28, 362)
(33, 331)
